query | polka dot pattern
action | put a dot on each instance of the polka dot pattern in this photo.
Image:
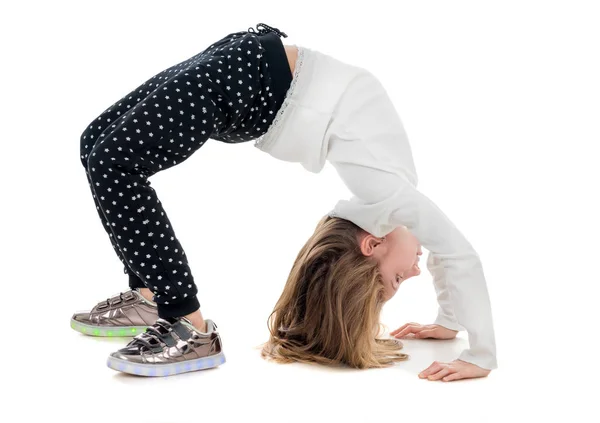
(223, 93)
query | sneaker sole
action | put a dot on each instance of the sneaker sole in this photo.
(165, 369)
(107, 330)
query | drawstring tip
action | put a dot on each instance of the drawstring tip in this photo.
(265, 29)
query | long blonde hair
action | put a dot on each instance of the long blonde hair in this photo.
(329, 310)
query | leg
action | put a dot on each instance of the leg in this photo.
(162, 130)
(97, 129)
(86, 147)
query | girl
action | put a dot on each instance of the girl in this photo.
(302, 106)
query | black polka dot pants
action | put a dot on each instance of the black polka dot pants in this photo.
(229, 92)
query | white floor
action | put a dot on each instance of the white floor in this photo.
(247, 387)
(53, 371)
(79, 387)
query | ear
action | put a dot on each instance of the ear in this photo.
(369, 243)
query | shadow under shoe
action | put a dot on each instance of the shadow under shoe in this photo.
(126, 314)
(170, 346)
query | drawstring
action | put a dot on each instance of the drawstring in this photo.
(267, 30)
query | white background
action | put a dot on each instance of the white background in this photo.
(501, 104)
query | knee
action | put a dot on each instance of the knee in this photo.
(85, 146)
(91, 137)
(105, 157)
(86, 143)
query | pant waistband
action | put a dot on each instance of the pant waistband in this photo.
(275, 56)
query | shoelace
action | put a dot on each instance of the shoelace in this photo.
(266, 29)
(153, 333)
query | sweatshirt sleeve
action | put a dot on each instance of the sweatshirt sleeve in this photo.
(384, 200)
(369, 149)
(445, 316)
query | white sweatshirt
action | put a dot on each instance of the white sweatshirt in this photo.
(341, 113)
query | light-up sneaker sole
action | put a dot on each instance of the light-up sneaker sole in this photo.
(165, 369)
(107, 330)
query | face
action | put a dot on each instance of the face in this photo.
(398, 255)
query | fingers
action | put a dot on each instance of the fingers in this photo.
(437, 376)
(410, 328)
(444, 371)
(419, 331)
(433, 368)
(402, 327)
(452, 376)
(426, 333)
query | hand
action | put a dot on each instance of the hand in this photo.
(424, 331)
(455, 370)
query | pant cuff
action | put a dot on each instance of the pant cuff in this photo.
(135, 282)
(182, 308)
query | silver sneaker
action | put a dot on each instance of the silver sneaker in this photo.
(126, 314)
(170, 346)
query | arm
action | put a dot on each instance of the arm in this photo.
(371, 153)
(457, 271)
(384, 200)
(445, 316)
